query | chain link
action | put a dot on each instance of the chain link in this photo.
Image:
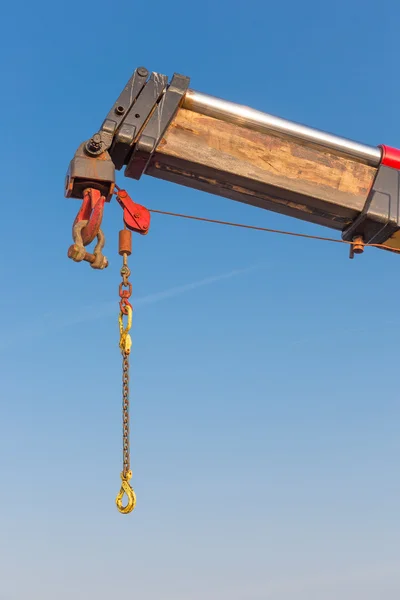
(125, 415)
(125, 346)
(126, 308)
(125, 294)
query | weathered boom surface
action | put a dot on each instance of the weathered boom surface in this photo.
(169, 131)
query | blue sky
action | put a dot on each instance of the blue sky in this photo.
(265, 409)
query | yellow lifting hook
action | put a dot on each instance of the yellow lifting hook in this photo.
(126, 489)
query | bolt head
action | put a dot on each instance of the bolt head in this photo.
(142, 71)
(76, 253)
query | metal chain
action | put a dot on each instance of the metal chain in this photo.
(125, 347)
(125, 295)
(125, 415)
(125, 271)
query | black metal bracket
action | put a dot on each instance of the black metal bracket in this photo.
(135, 119)
(156, 126)
(138, 120)
(380, 217)
(87, 171)
(116, 130)
(129, 134)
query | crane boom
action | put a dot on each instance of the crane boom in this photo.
(169, 131)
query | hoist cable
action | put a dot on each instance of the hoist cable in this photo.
(268, 230)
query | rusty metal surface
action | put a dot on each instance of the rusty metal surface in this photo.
(136, 217)
(88, 171)
(249, 191)
(91, 211)
(125, 242)
(251, 118)
(357, 246)
(78, 253)
(267, 171)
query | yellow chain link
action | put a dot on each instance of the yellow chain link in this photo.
(125, 341)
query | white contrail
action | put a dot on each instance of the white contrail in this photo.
(51, 321)
(94, 312)
(188, 287)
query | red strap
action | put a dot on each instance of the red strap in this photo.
(390, 157)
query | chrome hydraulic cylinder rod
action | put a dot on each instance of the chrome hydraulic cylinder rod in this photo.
(264, 122)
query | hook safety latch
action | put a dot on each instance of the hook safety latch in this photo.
(130, 494)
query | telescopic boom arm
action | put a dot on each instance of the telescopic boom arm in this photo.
(168, 131)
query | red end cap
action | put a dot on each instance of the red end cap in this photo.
(390, 157)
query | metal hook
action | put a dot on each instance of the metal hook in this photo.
(126, 489)
(91, 211)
